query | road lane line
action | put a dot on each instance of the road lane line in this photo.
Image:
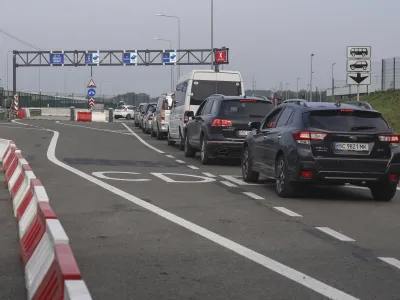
(193, 167)
(142, 140)
(287, 211)
(227, 183)
(391, 261)
(236, 180)
(209, 174)
(254, 196)
(335, 234)
(180, 161)
(170, 156)
(279, 268)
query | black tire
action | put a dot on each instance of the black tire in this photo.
(158, 134)
(383, 191)
(116, 118)
(352, 67)
(152, 133)
(136, 124)
(283, 187)
(204, 155)
(169, 141)
(181, 145)
(247, 173)
(188, 149)
(128, 117)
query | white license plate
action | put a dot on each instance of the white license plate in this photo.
(243, 132)
(351, 147)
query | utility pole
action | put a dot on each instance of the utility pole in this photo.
(312, 55)
(333, 84)
(298, 87)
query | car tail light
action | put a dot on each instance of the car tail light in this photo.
(248, 100)
(393, 177)
(306, 174)
(305, 137)
(163, 110)
(393, 139)
(221, 123)
(186, 117)
(151, 117)
(347, 110)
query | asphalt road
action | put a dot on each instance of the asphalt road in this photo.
(140, 233)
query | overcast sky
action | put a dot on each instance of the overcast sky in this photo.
(270, 40)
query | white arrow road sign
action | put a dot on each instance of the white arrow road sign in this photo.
(358, 78)
(358, 65)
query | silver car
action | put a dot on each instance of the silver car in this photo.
(159, 126)
(138, 114)
(147, 117)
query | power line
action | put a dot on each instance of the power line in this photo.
(19, 40)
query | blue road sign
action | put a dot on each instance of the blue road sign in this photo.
(130, 58)
(169, 57)
(56, 58)
(89, 58)
(91, 92)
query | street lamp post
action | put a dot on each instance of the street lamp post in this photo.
(172, 76)
(212, 34)
(297, 88)
(287, 91)
(333, 84)
(312, 55)
(179, 38)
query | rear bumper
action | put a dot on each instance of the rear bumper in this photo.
(230, 149)
(163, 127)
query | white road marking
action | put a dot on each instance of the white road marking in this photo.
(269, 263)
(180, 161)
(227, 183)
(93, 128)
(142, 140)
(193, 167)
(236, 180)
(254, 196)
(361, 187)
(170, 156)
(287, 211)
(209, 174)
(391, 261)
(335, 234)
(169, 179)
(101, 175)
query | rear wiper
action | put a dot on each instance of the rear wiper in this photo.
(355, 128)
(257, 116)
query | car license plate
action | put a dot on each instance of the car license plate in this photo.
(243, 133)
(351, 147)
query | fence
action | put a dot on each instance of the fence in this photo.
(391, 74)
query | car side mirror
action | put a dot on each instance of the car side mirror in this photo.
(254, 125)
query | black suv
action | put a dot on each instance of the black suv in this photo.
(220, 125)
(321, 142)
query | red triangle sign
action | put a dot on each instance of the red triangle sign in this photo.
(91, 84)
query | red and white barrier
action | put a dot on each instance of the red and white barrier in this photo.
(51, 271)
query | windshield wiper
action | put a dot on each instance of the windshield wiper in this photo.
(257, 116)
(355, 128)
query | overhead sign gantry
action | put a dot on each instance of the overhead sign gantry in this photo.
(79, 58)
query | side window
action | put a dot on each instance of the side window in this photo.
(285, 116)
(180, 93)
(201, 108)
(270, 120)
(214, 108)
(207, 107)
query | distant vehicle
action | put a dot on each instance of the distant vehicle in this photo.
(138, 113)
(220, 125)
(159, 126)
(124, 111)
(147, 117)
(359, 65)
(358, 51)
(192, 89)
(323, 143)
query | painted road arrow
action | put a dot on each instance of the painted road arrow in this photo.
(358, 78)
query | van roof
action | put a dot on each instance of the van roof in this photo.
(190, 75)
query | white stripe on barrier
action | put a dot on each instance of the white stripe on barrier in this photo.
(23, 190)
(15, 175)
(98, 117)
(40, 194)
(3, 147)
(76, 290)
(56, 232)
(38, 265)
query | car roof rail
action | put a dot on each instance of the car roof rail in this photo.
(296, 101)
(364, 104)
(219, 95)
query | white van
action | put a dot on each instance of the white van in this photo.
(192, 89)
(160, 122)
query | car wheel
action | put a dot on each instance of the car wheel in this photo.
(152, 133)
(181, 145)
(363, 54)
(188, 149)
(247, 173)
(364, 68)
(283, 187)
(115, 117)
(352, 67)
(169, 141)
(128, 117)
(158, 134)
(204, 155)
(383, 191)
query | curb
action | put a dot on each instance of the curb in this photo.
(51, 271)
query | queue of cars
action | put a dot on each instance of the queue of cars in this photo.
(297, 143)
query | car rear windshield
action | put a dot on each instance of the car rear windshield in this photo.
(347, 120)
(202, 89)
(245, 108)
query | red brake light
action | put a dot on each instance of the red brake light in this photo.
(306, 174)
(221, 123)
(393, 139)
(393, 177)
(305, 137)
(151, 117)
(347, 110)
(186, 117)
(246, 100)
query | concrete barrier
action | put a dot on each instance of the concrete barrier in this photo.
(51, 271)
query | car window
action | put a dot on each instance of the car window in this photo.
(201, 107)
(120, 107)
(245, 108)
(214, 108)
(284, 117)
(346, 120)
(270, 120)
(207, 107)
